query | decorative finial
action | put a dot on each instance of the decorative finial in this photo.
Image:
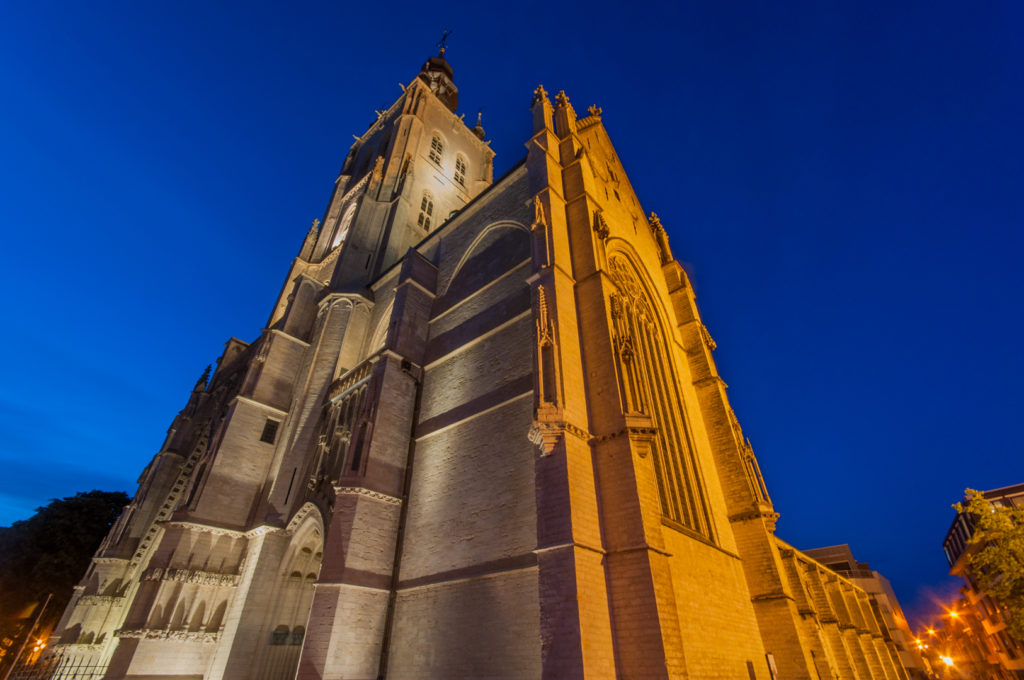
(594, 110)
(444, 40)
(201, 383)
(661, 238)
(315, 227)
(539, 94)
(561, 99)
(478, 129)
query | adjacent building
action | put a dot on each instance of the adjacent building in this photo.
(840, 559)
(1001, 655)
(482, 435)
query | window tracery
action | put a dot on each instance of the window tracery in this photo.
(646, 374)
(460, 170)
(344, 422)
(436, 149)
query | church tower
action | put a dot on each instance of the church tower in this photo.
(482, 435)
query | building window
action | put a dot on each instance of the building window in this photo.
(436, 149)
(460, 170)
(344, 224)
(426, 210)
(646, 377)
(269, 431)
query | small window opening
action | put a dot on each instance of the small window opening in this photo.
(436, 149)
(460, 170)
(426, 210)
(269, 431)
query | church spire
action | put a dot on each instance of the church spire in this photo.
(437, 73)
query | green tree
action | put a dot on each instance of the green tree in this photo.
(995, 556)
(50, 551)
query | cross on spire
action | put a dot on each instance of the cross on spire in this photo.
(444, 40)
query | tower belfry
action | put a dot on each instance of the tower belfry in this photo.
(414, 167)
(482, 435)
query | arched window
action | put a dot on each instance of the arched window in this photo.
(426, 210)
(460, 170)
(436, 149)
(648, 386)
(344, 224)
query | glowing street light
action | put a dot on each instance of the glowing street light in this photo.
(948, 660)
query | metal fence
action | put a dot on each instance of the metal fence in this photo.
(59, 668)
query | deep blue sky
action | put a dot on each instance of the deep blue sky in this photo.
(844, 180)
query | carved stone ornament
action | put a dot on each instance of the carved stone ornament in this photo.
(540, 94)
(378, 170)
(706, 337)
(105, 600)
(197, 576)
(594, 110)
(207, 529)
(624, 278)
(178, 635)
(545, 330)
(601, 225)
(539, 219)
(545, 436)
(367, 493)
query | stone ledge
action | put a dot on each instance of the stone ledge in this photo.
(206, 578)
(178, 635)
(111, 600)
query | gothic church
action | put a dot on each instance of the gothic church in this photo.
(482, 436)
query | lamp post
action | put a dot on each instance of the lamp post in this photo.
(31, 630)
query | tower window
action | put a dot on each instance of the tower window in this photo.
(426, 210)
(269, 431)
(436, 149)
(344, 224)
(460, 170)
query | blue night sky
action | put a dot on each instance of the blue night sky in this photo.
(843, 180)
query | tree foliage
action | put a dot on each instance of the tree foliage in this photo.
(50, 551)
(995, 557)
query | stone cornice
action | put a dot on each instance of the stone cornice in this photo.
(368, 493)
(207, 529)
(755, 513)
(630, 431)
(109, 600)
(766, 597)
(198, 576)
(177, 635)
(546, 434)
(250, 400)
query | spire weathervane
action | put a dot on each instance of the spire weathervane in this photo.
(444, 40)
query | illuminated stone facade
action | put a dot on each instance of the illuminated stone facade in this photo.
(882, 599)
(482, 436)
